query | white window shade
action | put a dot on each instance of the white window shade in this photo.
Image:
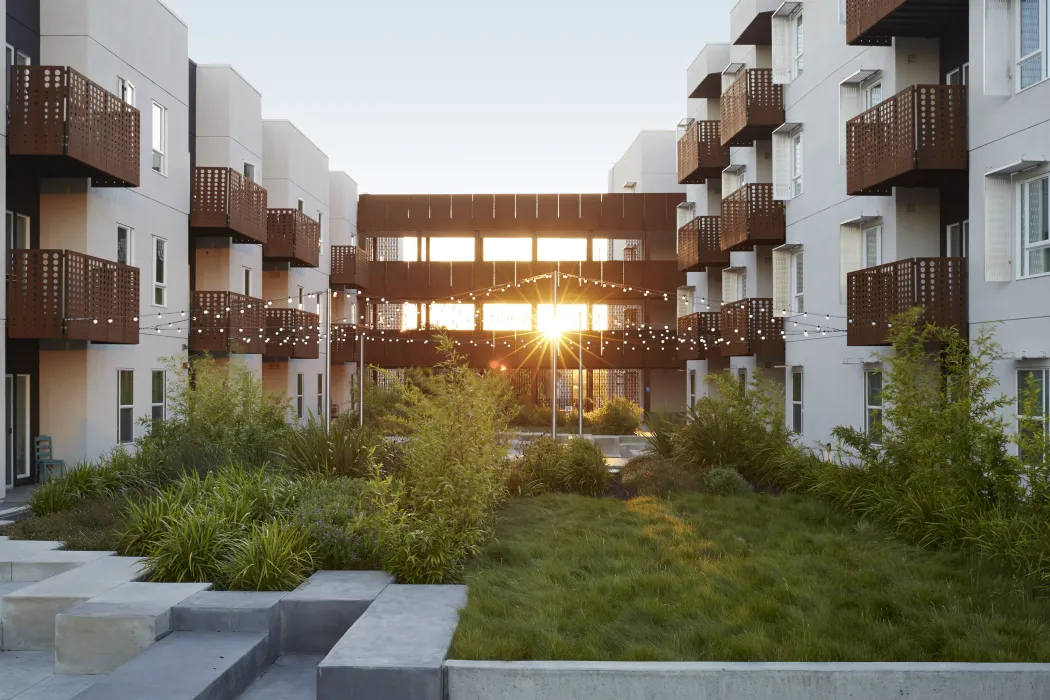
(782, 283)
(851, 103)
(998, 47)
(729, 287)
(733, 178)
(686, 213)
(782, 156)
(849, 255)
(781, 50)
(998, 228)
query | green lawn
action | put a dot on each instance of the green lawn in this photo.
(699, 578)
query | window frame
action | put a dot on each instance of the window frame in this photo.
(798, 402)
(320, 233)
(797, 47)
(122, 407)
(797, 156)
(320, 396)
(963, 228)
(870, 409)
(1045, 389)
(247, 276)
(1023, 246)
(244, 170)
(160, 285)
(300, 389)
(867, 87)
(126, 89)
(159, 116)
(1039, 55)
(877, 230)
(130, 250)
(12, 233)
(798, 274)
(154, 403)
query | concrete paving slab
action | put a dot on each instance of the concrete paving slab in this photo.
(58, 688)
(15, 550)
(291, 677)
(109, 630)
(28, 615)
(318, 613)
(187, 666)
(397, 648)
(44, 565)
(232, 611)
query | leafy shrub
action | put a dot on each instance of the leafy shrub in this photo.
(540, 462)
(521, 478)
(650, 475)
(339, 518)
(344, 450)
(662, 435)
(191, 548)
(117, 473)
(90, 525)
(618, 416)
(272, 556)
(725, 482)
(581, 468)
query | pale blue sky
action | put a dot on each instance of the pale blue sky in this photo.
(463, 96)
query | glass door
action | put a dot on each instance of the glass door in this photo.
(9, 417)
(18, 456)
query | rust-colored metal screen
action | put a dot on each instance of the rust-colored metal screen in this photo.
(750, 328)
(292, 237)
(750, 216)
(751, 108)
(700, 244)
(228, 322)
(876, 295)
(344, 343)
(291, 333)
(225, 203)
(876, 22)
(863, 16)
(60, 294)
(912, 139)
(689, 347)
(350, 266)
(76, 128)
(701, 154)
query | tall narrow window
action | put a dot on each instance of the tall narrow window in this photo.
(1035, 226)
(871, 239)
(741, 375)
(872, 94)
(160, 139)
(247, 281)
(301, 298)
(125, 255)
(125, 406)
(796, 401)
(160, 272)
(320, 396)
(159, 389)
(17, 234)
(957, 240)
(126, 90)
(796, 164)
(320, 228)
(249, 171)
(799, 284)
(692, 388)
(300, 205)
(797, 36)
(1033, 406)
(873, 405)
(1031, 42)
(300, 388)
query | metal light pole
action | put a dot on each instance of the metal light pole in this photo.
(554, 364)
(328, 365)
(581, 373)
(361, 366)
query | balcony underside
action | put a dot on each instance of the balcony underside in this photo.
(759, 32)
(876, 22)
(749, 134)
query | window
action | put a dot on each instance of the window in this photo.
(320, 229)
(561, 249)
(15, 58)
(957, 240)
(300, 388)
(1031, 42)
(160, 139)
(160, 272)
(796, 401)
(300, 205)
(507, 249)
(796, 164)
(741, 376)
(692, 388)
(247, 281)
(1033, 403)
(1035, 226)
(797, 41)
(873, 405)
(959, 76)
(159, 389)
(872, 94)
(125, 255)
(17, 231)
(126, 90)
(798, 284)
(871, 253)
(125, 406)
(299, 296)
(249, 171)
(320, 396)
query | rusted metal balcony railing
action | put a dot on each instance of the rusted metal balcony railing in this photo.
(63, 295)
(917, 138)
(700, 245)
(350, 266)
(701, 154)
(228, 322)
(344, 343)
(71, 127)
(292, 237)
(875, 295)
(749, 328)
(876, 22)
(698, 334)
(225, 203)
(292, 334)
(750, 217)
(752, 107)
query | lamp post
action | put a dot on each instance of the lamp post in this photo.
(580, 350)
(554, 335)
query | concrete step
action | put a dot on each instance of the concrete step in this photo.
(30, 675)
(111, 629)
(187, 666)
(17, 550)
(397, 648)
(232, 611)
(318, 613)
(42, 566)
(291, 677)
(28, 614)
(5, 588)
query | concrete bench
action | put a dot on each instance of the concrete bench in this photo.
(397, 648)
(17, 550)
(316, 614)
(39, 567)
(232, 611)
(109, 630)
(28, 615)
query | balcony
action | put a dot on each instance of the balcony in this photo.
(350, 267)
(225, 203)
(292, 334)
(750, 217)
(700, 245)
(292, 237)
(700, 332)
(701, 154)
(64, 125)
(752, 107)
(228, 322)
(876, 295)
(63, 295)
(876, 22)
(749, 328)
(917, 138)
(344, 343)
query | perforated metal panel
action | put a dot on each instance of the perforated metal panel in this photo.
(344, 343)
(225, 203)
(701, 154)
(751, 108)
(752, 216)
(876, 22)
(350, 266)
(292, 237)
(228, 322)
(291, 333)
(748, 327)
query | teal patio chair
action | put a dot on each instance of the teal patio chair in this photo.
(46, 464)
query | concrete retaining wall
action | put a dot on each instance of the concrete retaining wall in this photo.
(482, 680)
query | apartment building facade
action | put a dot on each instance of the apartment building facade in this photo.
(153, 214)
(901, 159)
